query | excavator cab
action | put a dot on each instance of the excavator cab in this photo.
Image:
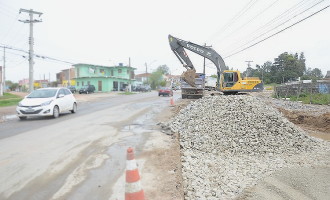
(229, 79)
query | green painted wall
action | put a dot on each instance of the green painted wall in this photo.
(92, 74)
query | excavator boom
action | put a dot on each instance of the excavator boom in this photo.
(178, 46)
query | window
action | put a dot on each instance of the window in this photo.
(119, 70)
(111, 72)
(60, 92)
(82, 83)
(127, 71)
(67, 92)
(88, 83)
(77, 83)
(102, 71)
(77, 72)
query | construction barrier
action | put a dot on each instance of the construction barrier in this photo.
(133, 189)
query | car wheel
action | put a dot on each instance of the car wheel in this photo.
(74, 108)
(22, 118)
(56, 112)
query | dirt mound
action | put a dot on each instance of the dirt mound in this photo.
(319, 122)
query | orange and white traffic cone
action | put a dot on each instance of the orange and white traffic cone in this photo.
(172, 101)
(133, 189)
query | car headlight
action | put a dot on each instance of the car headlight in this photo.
(20, 104)
(47, 103)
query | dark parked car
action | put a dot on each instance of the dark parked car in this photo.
(143, 88)
(165, 91)
(87, 89)
(72, 89)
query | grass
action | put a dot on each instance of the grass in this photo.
(321, 99)
(126, 93)
(9, 100)
(270, 86)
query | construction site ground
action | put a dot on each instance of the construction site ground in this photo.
(160, 164)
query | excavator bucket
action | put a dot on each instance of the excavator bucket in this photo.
(189, 76)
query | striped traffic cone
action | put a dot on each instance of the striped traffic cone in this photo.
(172, 101)
(133, 189)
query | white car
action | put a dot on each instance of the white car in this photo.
(47, 102)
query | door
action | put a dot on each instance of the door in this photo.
(100, 86)
(115, 86)
(62, 104)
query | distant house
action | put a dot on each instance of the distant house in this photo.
(142, 78)
(172, 80)
(40, 84)
(104, 78)
(66, 77)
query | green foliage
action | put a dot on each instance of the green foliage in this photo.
(126, 93)
(286, 67)
(164, 69)
(156, 78)
(306, 98)
(9, 100)
(321, 99)
(12, 86)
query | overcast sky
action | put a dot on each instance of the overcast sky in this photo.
(108, 32)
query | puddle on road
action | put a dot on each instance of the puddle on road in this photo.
(135, 134)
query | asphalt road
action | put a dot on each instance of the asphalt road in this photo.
(76, 156)
(15, 126)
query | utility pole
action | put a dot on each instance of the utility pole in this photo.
(31, 42)
(147, 73)
(248, 64)
(1, 92)
(204, 68)
(4, 71)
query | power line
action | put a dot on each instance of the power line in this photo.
(236, 17)
(36, 55)
(278, 32)
(272, 21)
(249, 21)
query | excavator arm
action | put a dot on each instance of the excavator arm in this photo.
(178, 46)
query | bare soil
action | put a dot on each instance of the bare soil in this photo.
(164, 162)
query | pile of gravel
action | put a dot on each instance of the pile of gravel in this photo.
(228, 143)
(299, 106)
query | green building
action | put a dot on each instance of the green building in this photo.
(104, 78)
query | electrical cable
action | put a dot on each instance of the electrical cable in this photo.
(278, 32)
(246, 23)
(235, 18)
(255, 36)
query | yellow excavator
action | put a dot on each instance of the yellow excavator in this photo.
(228, 81)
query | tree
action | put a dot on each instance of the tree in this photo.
(312, 74)
(155, 79)
(163, 69)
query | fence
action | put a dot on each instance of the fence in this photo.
(302, 88)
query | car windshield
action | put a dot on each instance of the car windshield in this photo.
(46, 93)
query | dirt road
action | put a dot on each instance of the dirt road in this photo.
(84, 157)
